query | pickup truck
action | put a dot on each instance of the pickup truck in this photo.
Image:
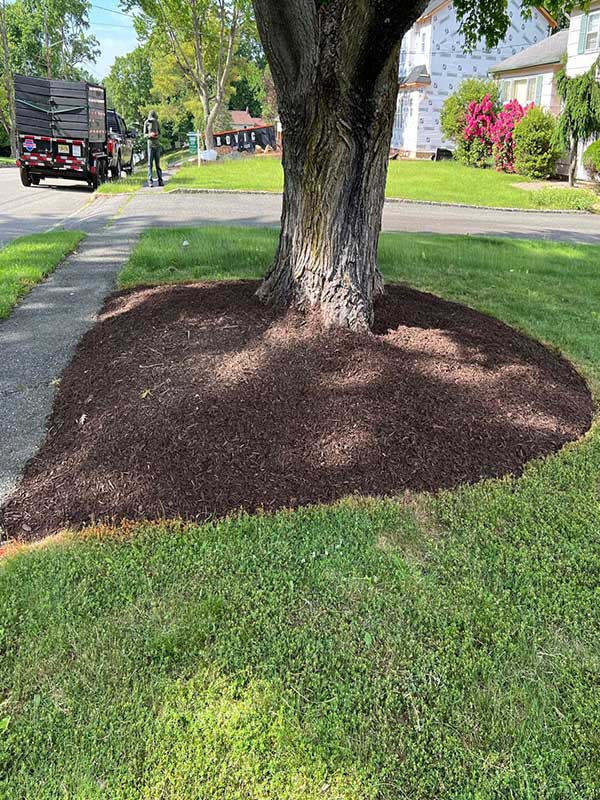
(120, 144)
(64, 131)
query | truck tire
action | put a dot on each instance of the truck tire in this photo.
(25, 176)
(35, 180)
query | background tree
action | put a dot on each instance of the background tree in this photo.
(580, 117)
(201, 36)
(453, 116)
(41, 39)
(335, 71)
(129, 85)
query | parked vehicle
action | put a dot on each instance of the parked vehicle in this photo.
(120, 144)
(63, 132)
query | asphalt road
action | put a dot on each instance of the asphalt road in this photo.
(69, 204)
(154, 209)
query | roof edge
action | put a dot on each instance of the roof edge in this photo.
(426, 17)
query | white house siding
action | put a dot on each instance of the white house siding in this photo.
(580, 62)
(448, 64)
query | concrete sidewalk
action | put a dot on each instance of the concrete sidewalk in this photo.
(38, 340)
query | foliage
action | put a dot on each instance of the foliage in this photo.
(295, 656)
(503, 134)
(591, 160)
(452, 118)
(535, 148)
(27, 260)
(129, 85)
(44, 39)
(580, 117)
(196, 43)
(480, 119)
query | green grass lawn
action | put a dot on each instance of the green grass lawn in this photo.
(28, 260)
(127, 185)
(446, 181)
(432, 648)
(7, 160)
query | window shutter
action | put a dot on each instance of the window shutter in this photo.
(538, 90)
(583, 33)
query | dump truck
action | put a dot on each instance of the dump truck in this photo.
(62, 130)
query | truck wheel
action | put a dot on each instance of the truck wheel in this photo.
(116, 171)
(25, 176)
(35, 180)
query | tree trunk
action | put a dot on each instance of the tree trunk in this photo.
(573, 153)
(335, 173)
(335, 69)
(209, 132)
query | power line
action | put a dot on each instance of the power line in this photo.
(112, 11)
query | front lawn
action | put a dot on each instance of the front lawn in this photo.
(447, 182)
(7, 161)
(28, 260)
(128, 185)
(431, 648)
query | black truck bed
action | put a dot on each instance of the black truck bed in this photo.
(60, 109)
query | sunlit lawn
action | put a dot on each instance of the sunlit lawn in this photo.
(431, 648)
(445, 181)
(127, 185)
(27, 260)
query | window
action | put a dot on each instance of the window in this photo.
(113, 124)
(593, 32)
(526, 90)
(423, 41)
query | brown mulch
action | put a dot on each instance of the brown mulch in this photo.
(195, 401)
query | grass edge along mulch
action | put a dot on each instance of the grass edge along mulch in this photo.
(262, 410)
(27, 260)
(430, 648)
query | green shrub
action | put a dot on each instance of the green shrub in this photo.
(473, 153)
(535, 147)
(591, 160)
(452, 118)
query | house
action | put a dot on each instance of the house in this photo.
(530, 75)
(243, 119)
(434, 61)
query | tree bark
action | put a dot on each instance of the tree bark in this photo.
(574, 150)
(335, 69)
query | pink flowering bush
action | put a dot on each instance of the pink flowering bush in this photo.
(502, 135)
(488, 134)
(480, 119)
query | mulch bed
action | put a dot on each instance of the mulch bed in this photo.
(196, 401)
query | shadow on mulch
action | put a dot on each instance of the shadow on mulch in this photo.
(195, 401)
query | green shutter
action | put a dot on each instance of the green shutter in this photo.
(538, 90)
(583, 33)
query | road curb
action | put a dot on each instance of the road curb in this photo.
(400, 200)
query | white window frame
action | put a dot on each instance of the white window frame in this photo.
(507, 88)
(593, 19)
